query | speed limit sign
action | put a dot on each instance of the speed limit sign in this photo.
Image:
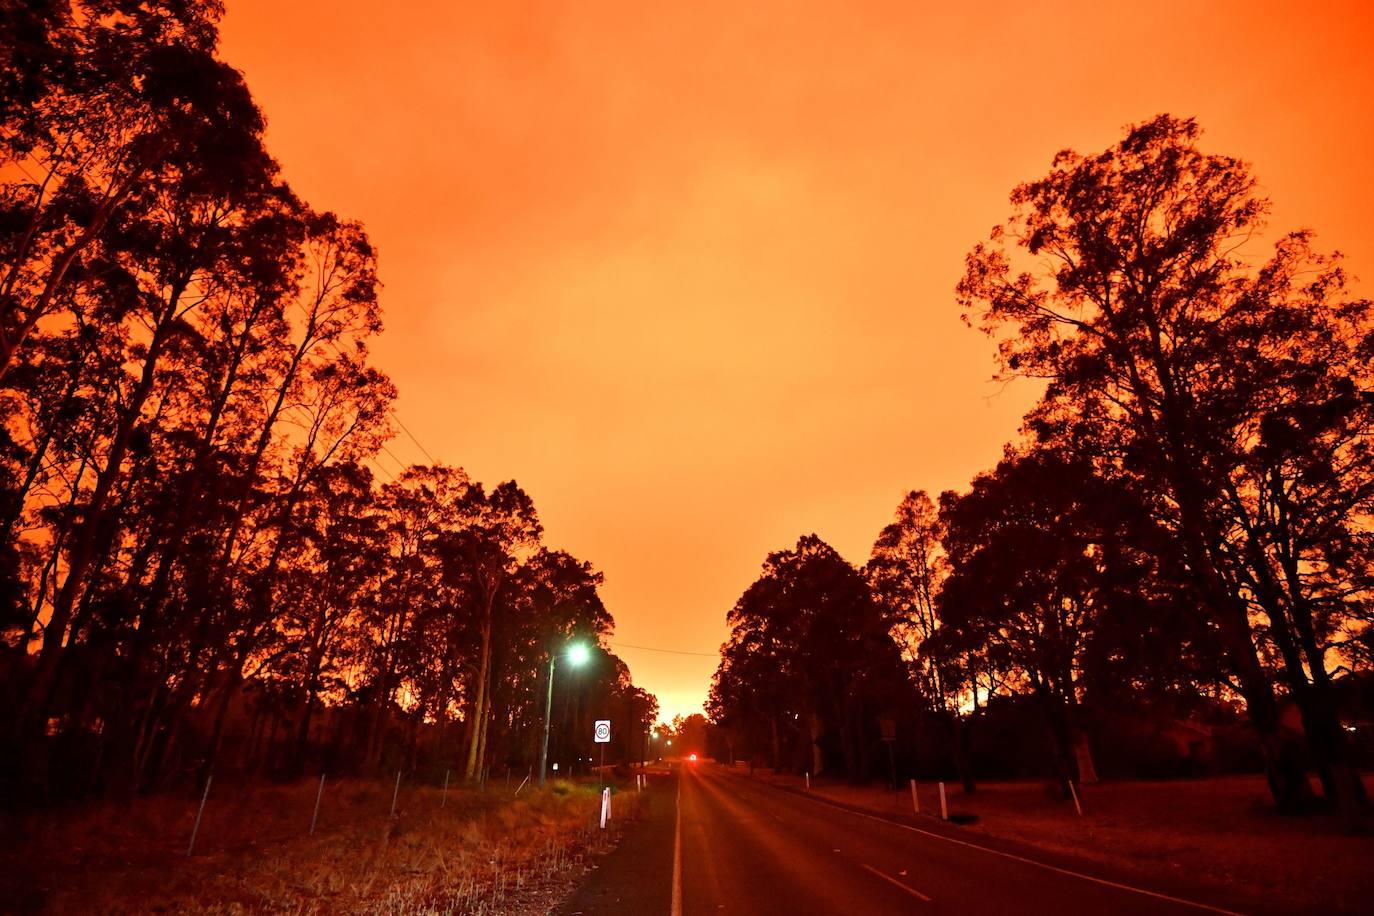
(603, 731)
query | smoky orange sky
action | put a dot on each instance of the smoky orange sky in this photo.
(685, 271)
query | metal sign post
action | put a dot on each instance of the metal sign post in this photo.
(601, 734)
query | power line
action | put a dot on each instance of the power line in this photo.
(385, 472)
(392, 410)
(625, 645)
(399, 463)
(397, 417)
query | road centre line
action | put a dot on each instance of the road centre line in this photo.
(891, 880)
(1022, 859)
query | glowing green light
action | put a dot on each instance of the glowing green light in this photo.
(578, 653)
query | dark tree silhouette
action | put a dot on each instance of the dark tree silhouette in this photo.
(197, 572)
(811, 661)
(1120, 279)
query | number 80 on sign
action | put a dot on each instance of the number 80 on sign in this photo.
(602, 733)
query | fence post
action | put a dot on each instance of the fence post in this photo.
(443, 799)
(395, 792)
(915, 799)
(316, 816)
(944, 810)
(199, 811)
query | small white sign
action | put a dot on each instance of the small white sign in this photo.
(603, 731)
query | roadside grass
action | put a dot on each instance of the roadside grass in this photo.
(482, 852)
(1220, 832)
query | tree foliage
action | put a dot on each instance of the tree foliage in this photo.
(810, 664)
(1234, 398)
(197, 569)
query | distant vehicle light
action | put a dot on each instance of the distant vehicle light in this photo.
(692, 757)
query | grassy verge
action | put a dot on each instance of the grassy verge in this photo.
(465, 852)
(1219, 832)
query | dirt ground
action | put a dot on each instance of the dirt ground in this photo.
(1221, 832)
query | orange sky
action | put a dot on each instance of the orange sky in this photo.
(685, 271)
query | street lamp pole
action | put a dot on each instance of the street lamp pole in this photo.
(578, 653)
(548, 712)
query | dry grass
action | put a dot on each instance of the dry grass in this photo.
(481, 853)
(1220, 832)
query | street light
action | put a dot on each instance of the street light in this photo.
(578, 653)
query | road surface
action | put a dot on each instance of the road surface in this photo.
(744, 846)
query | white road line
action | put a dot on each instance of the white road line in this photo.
(1047, 867)
(677, 852)
(891, 880)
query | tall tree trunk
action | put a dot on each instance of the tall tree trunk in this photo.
(84, 543)
(1321, 719)
(479, 704)
(963, 756)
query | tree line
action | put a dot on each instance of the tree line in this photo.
(197, 568)
(1184, 520)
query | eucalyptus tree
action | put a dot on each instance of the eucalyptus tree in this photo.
(956, 671)
(500, 528)
(807, 639)
(115, 100)
(186, 405)
(421, 600)
(1123, 278)
(905, 572)
(165, 260)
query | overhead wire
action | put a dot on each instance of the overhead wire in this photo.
(626, 645)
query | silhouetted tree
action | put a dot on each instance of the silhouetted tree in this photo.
(810, 654)
(192, 556)
(1118, 279)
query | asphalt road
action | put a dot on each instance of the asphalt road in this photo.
(743, 846)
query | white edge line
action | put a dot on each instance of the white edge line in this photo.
(1014, 857)
(677, 851)
(910, 890)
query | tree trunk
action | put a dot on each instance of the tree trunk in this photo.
(963, 752)
(84, 544)
(479, 704)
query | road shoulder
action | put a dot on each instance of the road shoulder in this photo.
(635, 876)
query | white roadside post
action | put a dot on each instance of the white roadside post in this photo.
(944, 811)
(605, 806)
(808, 780)
(915, 799)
